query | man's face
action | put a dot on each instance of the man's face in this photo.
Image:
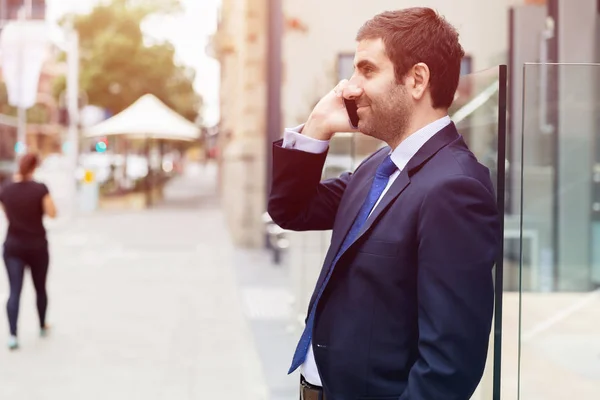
(385, 105)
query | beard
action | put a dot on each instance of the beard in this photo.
(388, 117)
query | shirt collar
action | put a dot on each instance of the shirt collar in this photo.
(411, 145)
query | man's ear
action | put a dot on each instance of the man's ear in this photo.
(418, 80)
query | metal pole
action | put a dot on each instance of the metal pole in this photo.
(28, 8)
(548, 33)
(21, 147)
(553, 101)
(21, 144)
(149, 176)
(73, 107)
(499, 272)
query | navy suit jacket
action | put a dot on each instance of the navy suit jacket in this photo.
(407, 312)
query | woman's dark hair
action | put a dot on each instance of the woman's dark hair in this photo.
(28, 163)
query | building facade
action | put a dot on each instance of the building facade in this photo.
(240, 46)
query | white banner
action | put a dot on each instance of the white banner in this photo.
(23, 47)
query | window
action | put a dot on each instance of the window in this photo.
(345, 66)
(466, 65)
(10, 9)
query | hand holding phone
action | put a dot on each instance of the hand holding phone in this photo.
(351, 109)
(331, 115)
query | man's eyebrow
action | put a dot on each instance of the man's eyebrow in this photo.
(362, 64)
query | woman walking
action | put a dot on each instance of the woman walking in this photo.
(25, 202)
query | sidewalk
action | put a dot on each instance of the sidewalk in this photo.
(267, 301)
(144, 305)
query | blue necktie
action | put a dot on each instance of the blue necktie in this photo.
(384, 171)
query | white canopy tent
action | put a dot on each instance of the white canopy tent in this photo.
(152, 121)
(147, 118)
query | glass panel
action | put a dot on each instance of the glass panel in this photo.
(479, 106)
(560, 268)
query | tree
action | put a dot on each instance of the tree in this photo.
(117, 66)
(38, 114)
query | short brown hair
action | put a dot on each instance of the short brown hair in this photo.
(419, 34)
(28, 163)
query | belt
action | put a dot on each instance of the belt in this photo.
(310, 392)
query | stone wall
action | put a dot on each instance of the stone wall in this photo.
(241, 48)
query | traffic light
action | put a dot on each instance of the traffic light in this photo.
(20, 147)
(102, 145)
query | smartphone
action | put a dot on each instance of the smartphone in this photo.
(352, 114)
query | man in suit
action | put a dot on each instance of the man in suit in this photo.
(403, 306)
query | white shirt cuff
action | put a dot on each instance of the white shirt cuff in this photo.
(293, 139)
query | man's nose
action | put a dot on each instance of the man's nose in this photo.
(352, 91)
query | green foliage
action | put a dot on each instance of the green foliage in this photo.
(117, 66)
(38, 114)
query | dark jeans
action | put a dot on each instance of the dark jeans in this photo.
(16, 258)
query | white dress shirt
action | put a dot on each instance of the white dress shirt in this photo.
(401, 155)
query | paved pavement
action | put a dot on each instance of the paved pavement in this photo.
(144, 305)
(268, 307)
(159, 305)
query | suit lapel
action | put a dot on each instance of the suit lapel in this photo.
(440, 140)
(355, 202)
(394, 191)
(357, 198)
(437, 142)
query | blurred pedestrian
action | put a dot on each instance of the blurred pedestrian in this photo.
(25, 202)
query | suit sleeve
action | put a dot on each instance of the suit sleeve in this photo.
(299, 200)
(459, 235)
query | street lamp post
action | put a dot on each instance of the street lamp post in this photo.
(72, 39)
(68, 41)
(24, 44)
(21, 145)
